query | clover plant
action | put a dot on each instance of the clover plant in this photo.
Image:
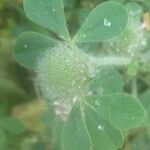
(85, 89)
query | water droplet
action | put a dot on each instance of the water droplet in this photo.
(133, 118)
(100, 127)
(107, 23)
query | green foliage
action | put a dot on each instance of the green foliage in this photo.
(146, 103)
(145, 99)
(2, 139)
(75, 133)
(106, 21)
(133, 67)
(15, 128)
(9, 126)
(135, 11)
(131, 41)
(86, 92)
(70, 3)
(141, 142)
(102, 85)
(102, 134)
(87, 131)
(49, 14)
(30, 46)
(121, 110)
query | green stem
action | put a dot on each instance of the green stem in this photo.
(113, 61)
(134, 86)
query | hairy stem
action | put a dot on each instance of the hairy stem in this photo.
(113, 61)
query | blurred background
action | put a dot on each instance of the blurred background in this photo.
(26, 122)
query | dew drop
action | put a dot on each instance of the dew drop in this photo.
(107, 23)
(100, 127)
(133, 118)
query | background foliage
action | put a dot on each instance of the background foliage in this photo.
(25, 121)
